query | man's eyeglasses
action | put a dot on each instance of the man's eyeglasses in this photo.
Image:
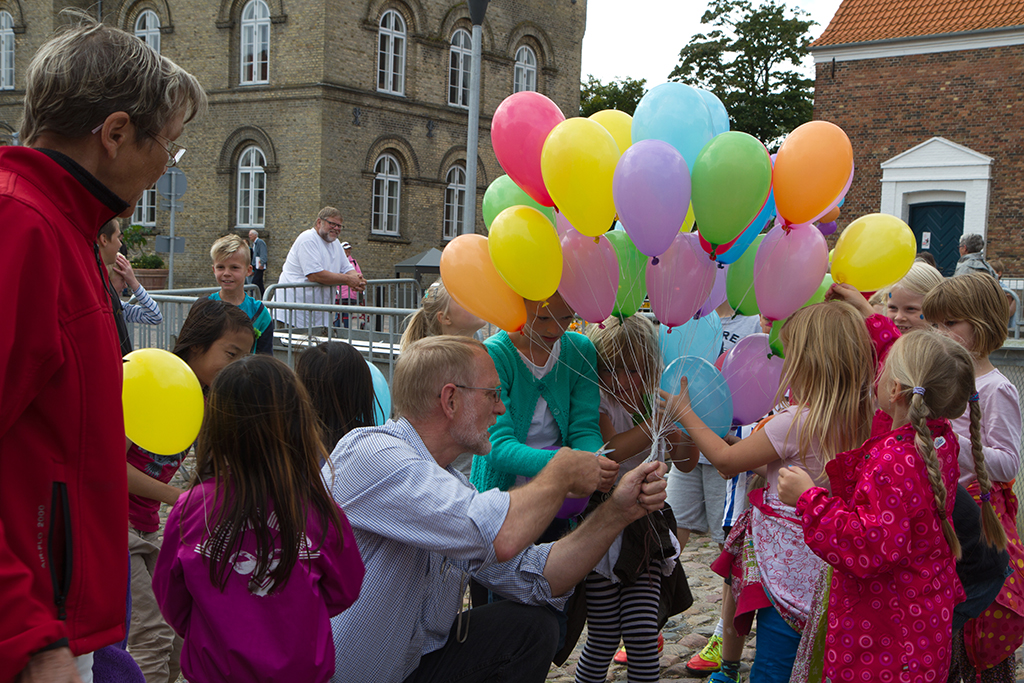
(336, 226)
(493, 393)
(174, 151)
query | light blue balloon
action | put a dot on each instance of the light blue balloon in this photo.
(750, 234)
(709, 393)
(719, 114)
(677, 114)
(382, 404)
(701, 338)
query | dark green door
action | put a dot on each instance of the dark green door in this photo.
(938, 227)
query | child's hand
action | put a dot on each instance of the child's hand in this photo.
(122, 267)
(674, 406)
(793, 481)
(841, 291)
(609, 470)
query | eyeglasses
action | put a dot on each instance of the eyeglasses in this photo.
(174, 151)
(336, 226)
(493, 393)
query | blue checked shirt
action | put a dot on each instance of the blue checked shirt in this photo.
(422, 531)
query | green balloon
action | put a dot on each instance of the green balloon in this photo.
(632, 270)
(775, 338)
(730, 182)
(503, 193)
(739, 283)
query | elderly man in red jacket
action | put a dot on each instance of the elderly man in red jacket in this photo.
(102, 112)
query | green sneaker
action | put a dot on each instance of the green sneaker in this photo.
(707, 660)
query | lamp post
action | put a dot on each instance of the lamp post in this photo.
(477, 9)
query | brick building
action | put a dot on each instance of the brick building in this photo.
(931, 93)
(357, 104)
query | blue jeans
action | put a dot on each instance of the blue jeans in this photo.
(776, 648)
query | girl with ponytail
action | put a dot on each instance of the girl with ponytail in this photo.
(885, 529)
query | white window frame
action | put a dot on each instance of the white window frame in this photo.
(147, 29)
(525, 74)
(252, 189)
(145, 210)
(460, 60)
(391, 41)
(254, 57)
(454, 202)
(6, 51)
(387, 195)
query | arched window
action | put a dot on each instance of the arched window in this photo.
(145, 210)
(387, 194)
(255, 42)
(6, 51)
(147, 29)
(525, 77)
(391, 53)
(460, 59)
(454, 202)
(252, 188)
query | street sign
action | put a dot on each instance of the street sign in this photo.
(163, 244)
(172, 184)
(168, 205)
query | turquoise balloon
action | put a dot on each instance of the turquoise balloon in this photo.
(710, 398)
(701, 337)
(632, 274)
(382, 396)
(503, 193)
(719, 115)
(677, 114)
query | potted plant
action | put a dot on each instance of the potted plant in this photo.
(149, 267)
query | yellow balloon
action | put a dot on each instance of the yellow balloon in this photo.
(526, 252)
(689, 220)
(578, 162)
(873, 252)
(619, 124)
(162, 400)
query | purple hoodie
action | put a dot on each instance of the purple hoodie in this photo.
(243, 633)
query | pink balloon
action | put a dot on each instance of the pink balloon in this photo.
(681, 280)
(519, 127)
(590, 275)
(788, 269)
(753, 374)
(562, 224)
(718, 293)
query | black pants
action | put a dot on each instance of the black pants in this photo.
(504, 641)
(257, 279)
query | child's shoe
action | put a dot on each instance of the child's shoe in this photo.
(707, 660)
(620, 656)
(719, 677)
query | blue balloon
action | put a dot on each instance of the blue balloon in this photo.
(382, 404)
(677, 114)
(748, 236)
(709, 394)
(701, 338)
(719, 115)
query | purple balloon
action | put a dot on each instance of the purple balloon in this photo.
(827, 228)
(718, 293)
(651, 188)
(590, 275)
(680, 281)
(753, 375)
(788, 269)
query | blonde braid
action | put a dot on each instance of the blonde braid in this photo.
(995, 534)
(918, 415)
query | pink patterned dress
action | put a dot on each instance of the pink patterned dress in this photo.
(894, 582)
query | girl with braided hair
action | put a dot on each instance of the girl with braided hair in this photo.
(885, 528)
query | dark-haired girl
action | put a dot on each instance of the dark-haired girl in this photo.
(340, 386)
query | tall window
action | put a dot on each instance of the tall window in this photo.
(255, 42)
(391, 53)
(525, 77)
(145, 210)
(387, 192)
(147, 29)
(460, 59)
(252, 188)
(6, 51)
(454, 202)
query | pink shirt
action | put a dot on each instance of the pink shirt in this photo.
(784, 436)
(1000, 429)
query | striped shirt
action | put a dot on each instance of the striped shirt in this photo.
(145, 311)
(422, 532)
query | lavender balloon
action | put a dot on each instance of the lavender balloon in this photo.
(590, 275)
(753, 375)
(718, 292)
(651, 188)
(680, 281)
(827, 228)
(788, 269)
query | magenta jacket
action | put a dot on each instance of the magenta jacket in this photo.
(894, 583)
(245, 634)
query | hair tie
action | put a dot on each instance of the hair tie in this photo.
(986, 497)
(919, 391)
(974, 397)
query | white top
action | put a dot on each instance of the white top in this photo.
(544, 432)
(734, 329)
(1000, 429)
(310, 253)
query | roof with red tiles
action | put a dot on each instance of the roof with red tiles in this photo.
(860, 21)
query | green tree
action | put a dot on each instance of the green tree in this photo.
(623, 94)
(751, 61)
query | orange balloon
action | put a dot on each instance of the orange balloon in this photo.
(811, 170)
(830, 216)
(470, 277)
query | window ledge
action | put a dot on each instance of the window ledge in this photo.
(388, 237)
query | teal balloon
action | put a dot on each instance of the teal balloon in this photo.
(677, 114)
(719, 115)
(710, 397)
(503, 193)
(382, 396)
(701, 338)
(632, 274)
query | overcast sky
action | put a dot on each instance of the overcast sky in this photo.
(642, 38)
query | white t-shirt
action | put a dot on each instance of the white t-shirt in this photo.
(310, 253)
(734, 329)
(544, 431)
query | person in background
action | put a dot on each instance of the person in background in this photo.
(340, 387)
(972, 256)
(259, 260)
(347, 296)
(230, 256)
(121, 274)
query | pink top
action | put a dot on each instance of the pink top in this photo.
(1000, 429)
(784, 436)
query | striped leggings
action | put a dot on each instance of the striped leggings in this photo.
(629, 612)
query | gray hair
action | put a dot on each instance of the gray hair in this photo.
(88, 71)
(972, 242)
(426, 366)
